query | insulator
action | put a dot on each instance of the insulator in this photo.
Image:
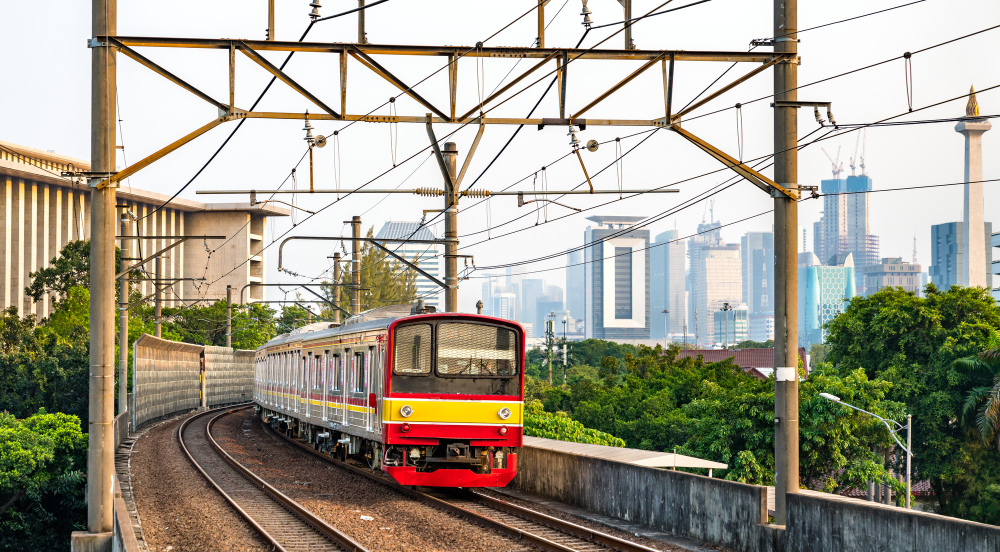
(315, 5)
(429, 192)
(476, 193)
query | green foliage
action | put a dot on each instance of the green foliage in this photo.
(383, 282)
(42, 488)
(750, 344)
(982, 404)
(253, 324)
(913, 343)
(292, 317)
(69, 269)
(539, 423)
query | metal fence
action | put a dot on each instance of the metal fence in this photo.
(168, 377)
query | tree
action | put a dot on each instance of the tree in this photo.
(292, 317)
(69, 269)
(912, 343)
(253, 324)
(539, 423)
(42, 480)
(383, 282)
(982, 403)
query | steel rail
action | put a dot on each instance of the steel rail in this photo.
(568, 528)
(307, 517)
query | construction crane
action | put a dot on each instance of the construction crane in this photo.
(855, 156)
(838, 167)
(864, 140)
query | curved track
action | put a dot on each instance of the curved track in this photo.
(284, 523)
(531, 527)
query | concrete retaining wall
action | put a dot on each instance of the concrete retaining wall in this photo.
(838, 524)
(168, 377)
(713, 511)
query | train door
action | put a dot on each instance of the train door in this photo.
(325, 383)
(346, 367)
(310, 383)
(377, 380)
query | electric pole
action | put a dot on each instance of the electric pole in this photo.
(157, 285)
(103, 141)
(229, 316)
(786, 338)
(336, 295)
(123, 319)
(356, 265)
(451, 228)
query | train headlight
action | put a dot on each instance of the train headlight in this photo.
(504, 413)
(405, 411)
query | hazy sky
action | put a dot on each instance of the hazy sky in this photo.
(46, 95)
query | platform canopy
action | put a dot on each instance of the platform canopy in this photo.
(648, 458)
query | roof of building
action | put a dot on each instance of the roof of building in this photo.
(614, 219)
(648, 458)
(29, 170)
(756, 362)
(396, 230)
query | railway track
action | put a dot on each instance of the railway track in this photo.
(282, 522)
(529, 526)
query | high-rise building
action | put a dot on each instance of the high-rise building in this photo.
(731, 325)
(504, 305)
(976, 271)
(844, 226)
(757, 256)
(715, 278)
(576, 293)
(617, 279)
(426, 256)
(891, 272)
(995, 242)
(823, 293)
(666, 283)
(531, 290)
(948, 263)
(761, 327)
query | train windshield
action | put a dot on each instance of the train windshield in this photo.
(456, 357)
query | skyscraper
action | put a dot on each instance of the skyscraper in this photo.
(576, 294)
(715, 278)
(666, 282)
(617, 279)
(823, 293)
(426, 256)
(757, 256)
(844, 226)
(948, 261)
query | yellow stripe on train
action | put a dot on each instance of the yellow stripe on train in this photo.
(444, 411)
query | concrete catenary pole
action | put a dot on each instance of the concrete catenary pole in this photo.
(786, 386)
(101, 446)
(229, 316)
(335, 318)
(158, 287)
(123, 319)
(451, 229)
(356, 265)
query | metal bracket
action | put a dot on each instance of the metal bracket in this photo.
(97, 43)
(546, 121)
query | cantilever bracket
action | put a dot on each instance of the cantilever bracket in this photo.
(755, 178)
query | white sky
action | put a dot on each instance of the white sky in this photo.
(47, 98)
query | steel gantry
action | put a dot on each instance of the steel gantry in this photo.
(548, 63)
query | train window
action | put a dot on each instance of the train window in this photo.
(360, 378)
(412, 350)
(476, 350)
(314, 374)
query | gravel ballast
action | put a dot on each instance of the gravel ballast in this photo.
(346, 501)
(179, 510)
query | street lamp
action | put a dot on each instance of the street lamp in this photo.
(725, 309)
(665, 313)
(892, 432)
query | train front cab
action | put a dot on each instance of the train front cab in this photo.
(453, 409)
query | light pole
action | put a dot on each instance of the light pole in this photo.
(665, 313)
(892, 432)
(725, 310)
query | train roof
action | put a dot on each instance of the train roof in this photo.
(374, 319)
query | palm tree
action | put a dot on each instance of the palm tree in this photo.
(983, 402)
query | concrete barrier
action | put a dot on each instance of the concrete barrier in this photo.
(713, 511)
(838, 524)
